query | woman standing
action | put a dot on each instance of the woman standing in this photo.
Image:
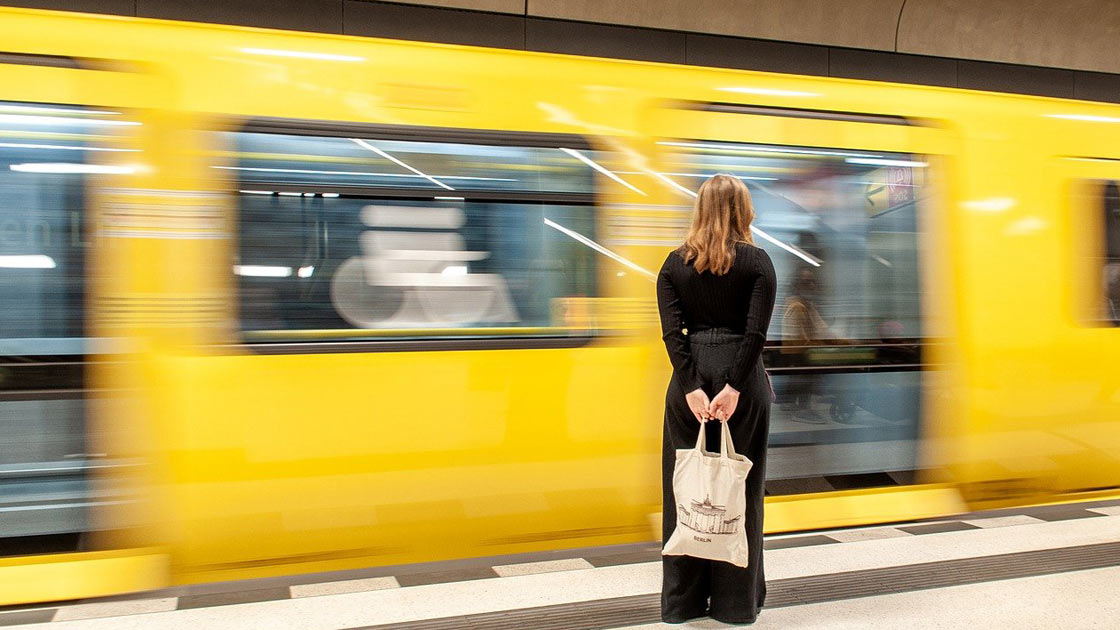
(715, 294)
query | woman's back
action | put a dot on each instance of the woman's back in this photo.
(711, 301)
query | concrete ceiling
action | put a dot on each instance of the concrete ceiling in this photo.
(1074, 34)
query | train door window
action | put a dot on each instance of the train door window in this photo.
(46, 154)
(844, 344)
(1102, 308)
(369, 234)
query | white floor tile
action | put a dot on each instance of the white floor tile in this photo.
(546, 566)
(871, 533)
(1005, 521)
(343, 586)
(115, 609)
(1108, 510)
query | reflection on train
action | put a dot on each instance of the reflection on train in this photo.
(841, 227)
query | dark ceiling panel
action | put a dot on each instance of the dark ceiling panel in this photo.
(1096, 86)
(448, 26)
(599, 40)
(112, 7)
(756, 54)
(880, 66)
(322, 16)
(1002, 77)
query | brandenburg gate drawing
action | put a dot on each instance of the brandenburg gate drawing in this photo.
(707, 518)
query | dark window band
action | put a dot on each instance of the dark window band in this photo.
(790, 112)
(421, 345)
(335, 129)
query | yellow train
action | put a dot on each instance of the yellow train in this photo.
(280, 302)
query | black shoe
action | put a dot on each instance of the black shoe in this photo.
(735, 623)
(679, 619)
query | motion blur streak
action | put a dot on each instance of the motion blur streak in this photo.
(366, 145)
(588, 161)
(599, 248)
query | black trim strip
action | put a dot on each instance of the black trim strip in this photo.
(336, 129)
(790, 112)
(68, 62)
(44, 394)
(415, 345)
(46, 61)
(902, 356)
(526, 342)
(42, 378)
(792, 486)
(846, 369)
(1094, 159)
(580, 199)
(40, 544)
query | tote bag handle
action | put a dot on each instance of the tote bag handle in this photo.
(726, 446)
(701, 441)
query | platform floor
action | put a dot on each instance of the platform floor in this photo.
(1043, 567)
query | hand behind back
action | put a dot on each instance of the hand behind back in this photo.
(698, 404)
(723, 405)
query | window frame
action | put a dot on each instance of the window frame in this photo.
(1085, 195)
(773, 358)
(398, 340)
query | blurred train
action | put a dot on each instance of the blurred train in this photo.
(279, 302)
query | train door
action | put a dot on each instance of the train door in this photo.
(1083, 445)
(842, 203)
(65, 132)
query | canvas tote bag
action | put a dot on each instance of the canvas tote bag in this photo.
(711, 495)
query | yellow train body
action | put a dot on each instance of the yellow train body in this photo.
(255, 464)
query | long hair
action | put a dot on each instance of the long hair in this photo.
(721, 219)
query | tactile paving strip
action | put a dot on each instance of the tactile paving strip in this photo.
(640, 609)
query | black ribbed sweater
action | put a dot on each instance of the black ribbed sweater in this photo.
(741, 300)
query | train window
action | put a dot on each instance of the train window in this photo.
(46, 153)
(1103, 307)
(842, 229)
(367, 237)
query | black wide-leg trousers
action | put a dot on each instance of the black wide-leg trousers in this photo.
(695, 587)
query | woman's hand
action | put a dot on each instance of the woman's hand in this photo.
(698, 403)
(723, 405)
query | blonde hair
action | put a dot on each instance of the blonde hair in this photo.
(721, 218)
